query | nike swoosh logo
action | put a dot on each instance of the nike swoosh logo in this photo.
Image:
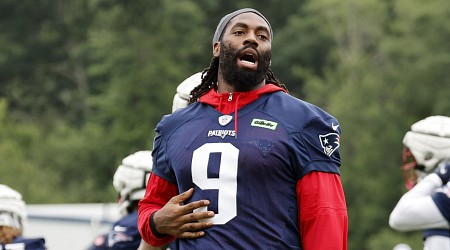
(335, 127)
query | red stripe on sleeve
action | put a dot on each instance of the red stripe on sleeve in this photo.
(323, 219)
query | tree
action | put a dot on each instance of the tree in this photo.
(366, 85)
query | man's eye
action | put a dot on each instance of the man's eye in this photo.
(263, 37)
(239, 32)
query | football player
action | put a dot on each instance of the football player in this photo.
(129, 181)
(182, 96)
(12, 219)
(245, 165)
(426, 168)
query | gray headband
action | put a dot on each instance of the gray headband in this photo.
(226, 19)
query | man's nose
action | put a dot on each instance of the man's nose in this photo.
(251, 39)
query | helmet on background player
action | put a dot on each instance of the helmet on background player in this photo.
(425, 146)
(181, 98)
(12, 208)
(130, 179)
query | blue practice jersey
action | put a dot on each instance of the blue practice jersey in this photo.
(250, 176)
(20, 243)
(442, 200)
(123, 236)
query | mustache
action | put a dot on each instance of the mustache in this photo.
(239, 51)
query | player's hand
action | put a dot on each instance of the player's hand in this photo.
(181, 220)
(443, 171)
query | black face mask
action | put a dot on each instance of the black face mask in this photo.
(241, 79)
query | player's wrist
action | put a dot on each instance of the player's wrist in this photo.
(153, 228)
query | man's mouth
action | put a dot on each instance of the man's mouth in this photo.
(248, 59)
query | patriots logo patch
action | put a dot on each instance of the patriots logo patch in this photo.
(329, 142)
(221, 133)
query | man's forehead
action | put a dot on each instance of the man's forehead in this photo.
(249, 19)
(225, 21)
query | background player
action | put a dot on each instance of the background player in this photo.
(180, 100)
(129, 181)
(12, 220)
(427, 205)
(183, 94)
(269, 180)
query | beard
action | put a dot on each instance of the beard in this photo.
(242, 79)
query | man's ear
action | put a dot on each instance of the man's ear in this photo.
(216, 49)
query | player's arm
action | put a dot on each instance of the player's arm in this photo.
(417, 209)
(158, 193)
(322, 211)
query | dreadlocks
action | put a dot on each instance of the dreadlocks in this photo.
(209, 80)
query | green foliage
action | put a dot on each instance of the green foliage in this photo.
(379, 79)
(388, 239)
(83, 84)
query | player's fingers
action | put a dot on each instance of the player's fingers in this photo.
(196, 226)
(182, 197)
(191, 235)
(195, 217)
(194, 230)
(188, 208)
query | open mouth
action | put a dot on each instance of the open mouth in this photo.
(248, 59)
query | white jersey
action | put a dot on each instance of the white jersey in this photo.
(437, 242)
(425, 207)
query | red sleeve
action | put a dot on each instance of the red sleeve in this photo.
(322, 213)
(158, 193)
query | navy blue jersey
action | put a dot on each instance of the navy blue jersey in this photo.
(20, 243)
(249, 176)
(433, 232)
(123, 236)
(442, 199)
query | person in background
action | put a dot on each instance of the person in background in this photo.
(180, 100)
(426, 169)
(182, 95)
(245, 165)
(12, 220)
(129, 181)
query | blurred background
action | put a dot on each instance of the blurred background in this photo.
(83, 83)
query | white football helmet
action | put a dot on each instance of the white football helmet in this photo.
(12, 208)
(131, 177)
(426, 145)
(181, 98)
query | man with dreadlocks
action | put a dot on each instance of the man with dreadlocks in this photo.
(245, 165)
